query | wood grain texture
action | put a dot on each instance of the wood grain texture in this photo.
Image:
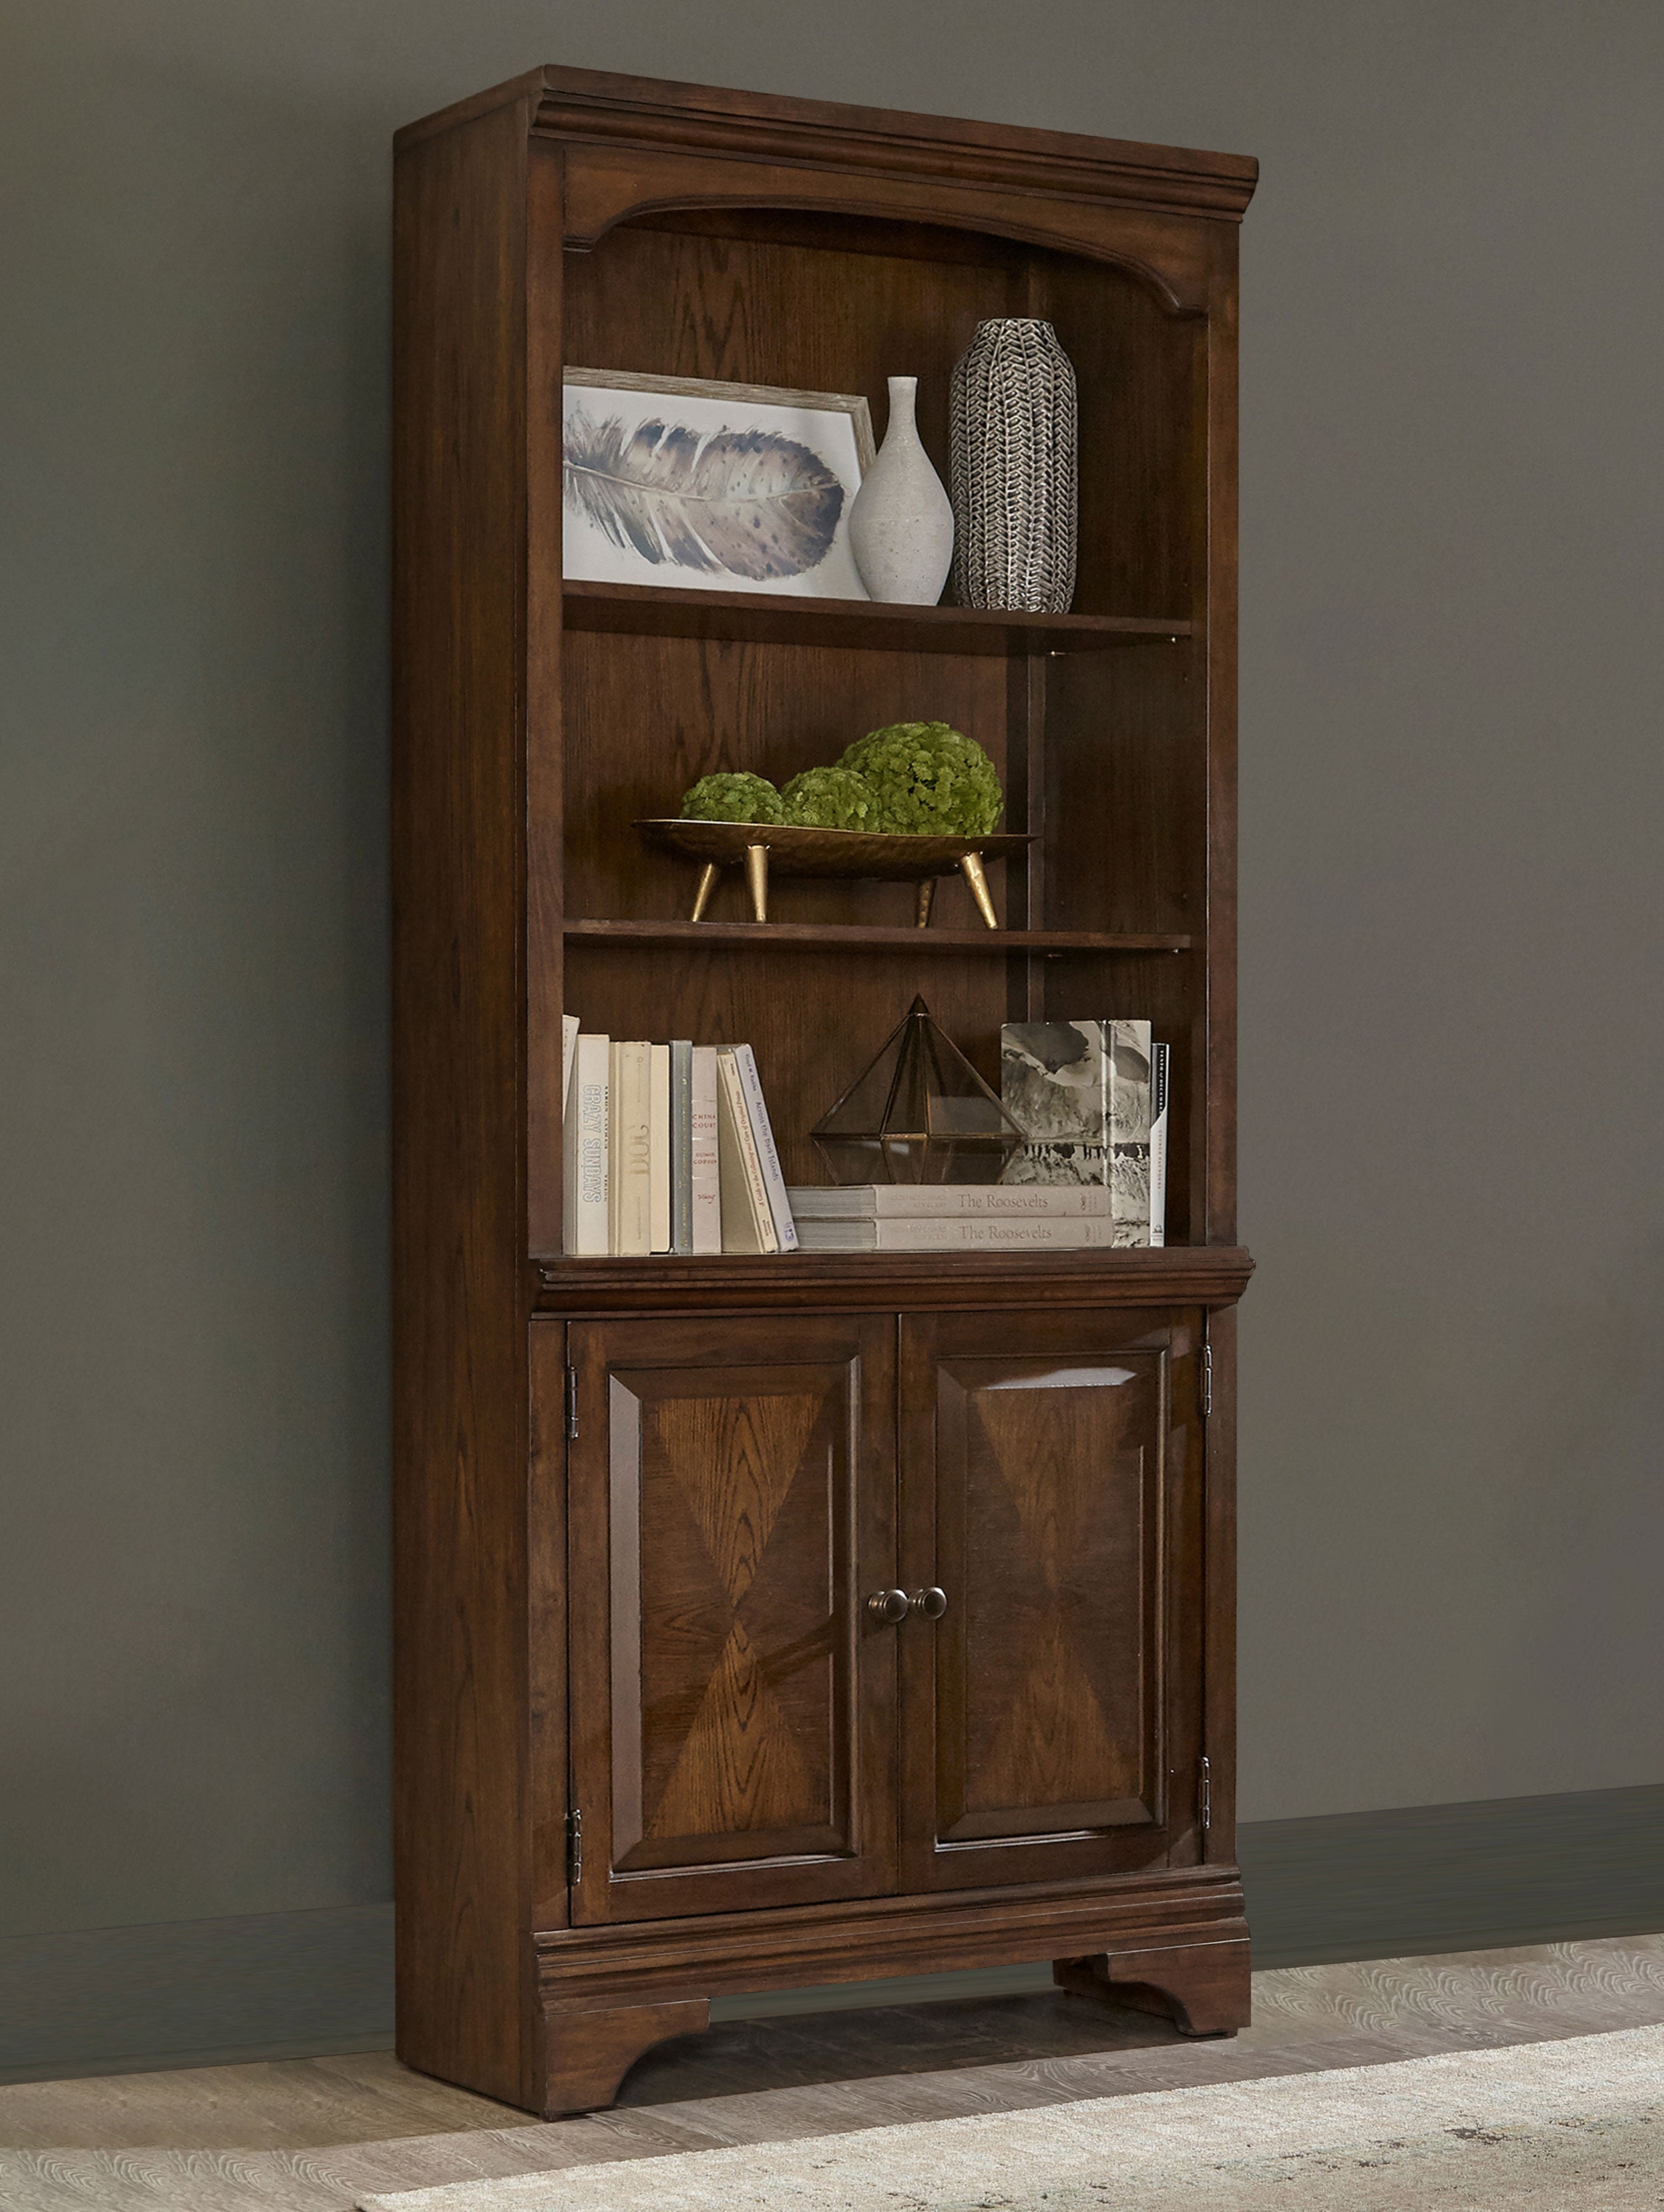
(590, 2050)
(461, 1443)
(594, 104)
(1202, 1988)
(733, 1489)
(1049, 1463)
(864, 625)
(848, 937)
(740, 1731)
(1180, 1275)
(847, 1940)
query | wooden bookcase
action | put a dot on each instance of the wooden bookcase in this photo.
(650, 1744)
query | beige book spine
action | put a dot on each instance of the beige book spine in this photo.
(747, 1223)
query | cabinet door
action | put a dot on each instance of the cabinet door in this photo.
(1050, 1488)
(731, 1505)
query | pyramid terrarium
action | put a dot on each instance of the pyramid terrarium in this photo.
(920, 1112)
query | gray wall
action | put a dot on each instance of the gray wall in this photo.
(1451, 920)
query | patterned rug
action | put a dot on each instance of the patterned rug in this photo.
(1534, 2128)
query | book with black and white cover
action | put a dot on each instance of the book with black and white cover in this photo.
(747, 1217)
(1160, 1075)
(870, 1201)
(569, 1037)
(658, 1154)
(630, 1150)
(962, 1232)
(1080, 1091)
(682, 1146)
(785, 1232)
(586, 1231)
(705, 1196)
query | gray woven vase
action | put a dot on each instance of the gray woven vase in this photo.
(1014, 437)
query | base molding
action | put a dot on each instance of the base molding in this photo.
(609, 1994)
(863, 1939)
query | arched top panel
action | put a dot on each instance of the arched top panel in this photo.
(1181, 259)
(1171, 285)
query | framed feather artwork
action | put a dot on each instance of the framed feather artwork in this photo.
(724, 487)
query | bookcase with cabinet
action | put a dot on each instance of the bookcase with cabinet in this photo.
(764, 1621)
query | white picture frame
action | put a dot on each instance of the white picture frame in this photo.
(736, 488)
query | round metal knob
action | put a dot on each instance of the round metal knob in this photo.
(932, 1603)
(887, 1606)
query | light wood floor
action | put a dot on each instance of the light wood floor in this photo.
(308, 2135)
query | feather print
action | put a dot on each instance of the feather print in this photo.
(749, 502)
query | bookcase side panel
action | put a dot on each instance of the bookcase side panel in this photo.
(1220, 430)
(544, 778)
(464, 2009)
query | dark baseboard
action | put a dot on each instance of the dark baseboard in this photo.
(1408, 1883)
(196, 1993)
(1422, 1879)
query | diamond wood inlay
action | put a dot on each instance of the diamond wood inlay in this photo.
(1055, 1596)
(735, 1615)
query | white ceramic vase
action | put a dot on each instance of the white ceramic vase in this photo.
(901, 522)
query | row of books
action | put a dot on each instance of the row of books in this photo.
(1092, 1098)
(669, 1149)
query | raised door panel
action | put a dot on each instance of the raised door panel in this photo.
(731, 1503)
(1051, 1489)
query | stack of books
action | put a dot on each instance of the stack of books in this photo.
(1092, 1098)
(951, 1217)
(669, 1149)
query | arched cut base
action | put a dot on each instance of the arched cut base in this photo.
(1202, 1988)
(588, 2050)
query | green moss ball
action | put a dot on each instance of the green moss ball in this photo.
(733, 796)
(831, 799)
(929, 779)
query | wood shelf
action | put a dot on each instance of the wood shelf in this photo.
(1206, 1275)
(758, 617)
(848, 937)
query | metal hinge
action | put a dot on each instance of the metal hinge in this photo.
(574, 1846)
(571, 1401)
(1207, 1380)
(1205, 1797)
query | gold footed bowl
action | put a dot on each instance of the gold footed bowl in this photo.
(884, 855)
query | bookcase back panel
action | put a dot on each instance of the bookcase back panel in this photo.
(1124, 755)
(814, 1019)
(646, 717)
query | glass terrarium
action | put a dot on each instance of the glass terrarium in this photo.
(920, 1112)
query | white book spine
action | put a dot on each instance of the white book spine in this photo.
(915, 1201)
(1160, 1075)
(682, 1146)
(961, 1233)
(705, 1180)
(1127, 1047)
(785, 1232)
(568, 1040)
(631, 1144)
(658, 1161)
(586, 1231)
(748, 1218)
